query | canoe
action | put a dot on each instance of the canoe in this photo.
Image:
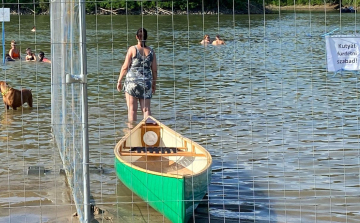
(165, 169)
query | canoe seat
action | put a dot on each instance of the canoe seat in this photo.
(154, 149)
(157, 151)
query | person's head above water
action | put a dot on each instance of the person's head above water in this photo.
(28, 51)
(141, 35)
(13, 43)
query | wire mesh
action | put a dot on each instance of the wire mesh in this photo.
(67, 101)
(282, 131)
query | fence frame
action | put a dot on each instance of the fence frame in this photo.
(69, 113)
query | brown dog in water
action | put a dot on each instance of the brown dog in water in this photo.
(15, 98)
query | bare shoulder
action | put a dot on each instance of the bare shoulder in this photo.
(132, 51)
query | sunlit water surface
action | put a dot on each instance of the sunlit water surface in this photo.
(283, 133)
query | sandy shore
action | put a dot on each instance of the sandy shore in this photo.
(316, 8)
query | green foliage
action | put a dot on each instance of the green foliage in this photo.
(44, 5)
(310, 2)
(176, 4)
(91, 5)
(130, 5)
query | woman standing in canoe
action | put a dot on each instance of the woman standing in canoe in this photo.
(140, 71)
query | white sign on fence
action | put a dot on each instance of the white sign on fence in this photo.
(4, 14)
(342, 53)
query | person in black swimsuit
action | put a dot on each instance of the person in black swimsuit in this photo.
(30, 56)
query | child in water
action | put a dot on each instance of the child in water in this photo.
(42, 57)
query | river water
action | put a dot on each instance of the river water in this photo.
(283, 133)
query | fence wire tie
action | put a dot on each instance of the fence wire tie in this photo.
(329, 33)
(339, 72)
(70, 79)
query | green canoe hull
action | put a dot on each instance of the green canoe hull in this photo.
(175, 198)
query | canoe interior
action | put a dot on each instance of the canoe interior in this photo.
(165, 169)
(170, 154)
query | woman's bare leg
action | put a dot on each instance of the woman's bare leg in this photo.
(145, 107)
(132, 105)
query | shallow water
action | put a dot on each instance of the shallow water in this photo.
(283, 133)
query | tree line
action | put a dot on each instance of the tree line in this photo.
(41, 6)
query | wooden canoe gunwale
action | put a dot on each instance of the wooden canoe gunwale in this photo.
(204, 153)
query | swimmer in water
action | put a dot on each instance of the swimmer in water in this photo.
(14, 52)
(218, 41)
(206, 40)
(42, 57)
(30, 56)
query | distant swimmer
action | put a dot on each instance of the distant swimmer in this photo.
(42, 57)
(206, 40)
(33, 29)
(30, 56)
(14, 52)
(218, 41)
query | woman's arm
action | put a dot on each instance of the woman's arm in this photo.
(125, 66)
(154, 73)
(11, 53)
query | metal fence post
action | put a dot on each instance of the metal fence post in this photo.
(84, 107)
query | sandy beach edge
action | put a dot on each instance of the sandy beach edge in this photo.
(315, 8)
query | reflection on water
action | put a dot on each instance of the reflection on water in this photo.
(283, 133)
(6, 119)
